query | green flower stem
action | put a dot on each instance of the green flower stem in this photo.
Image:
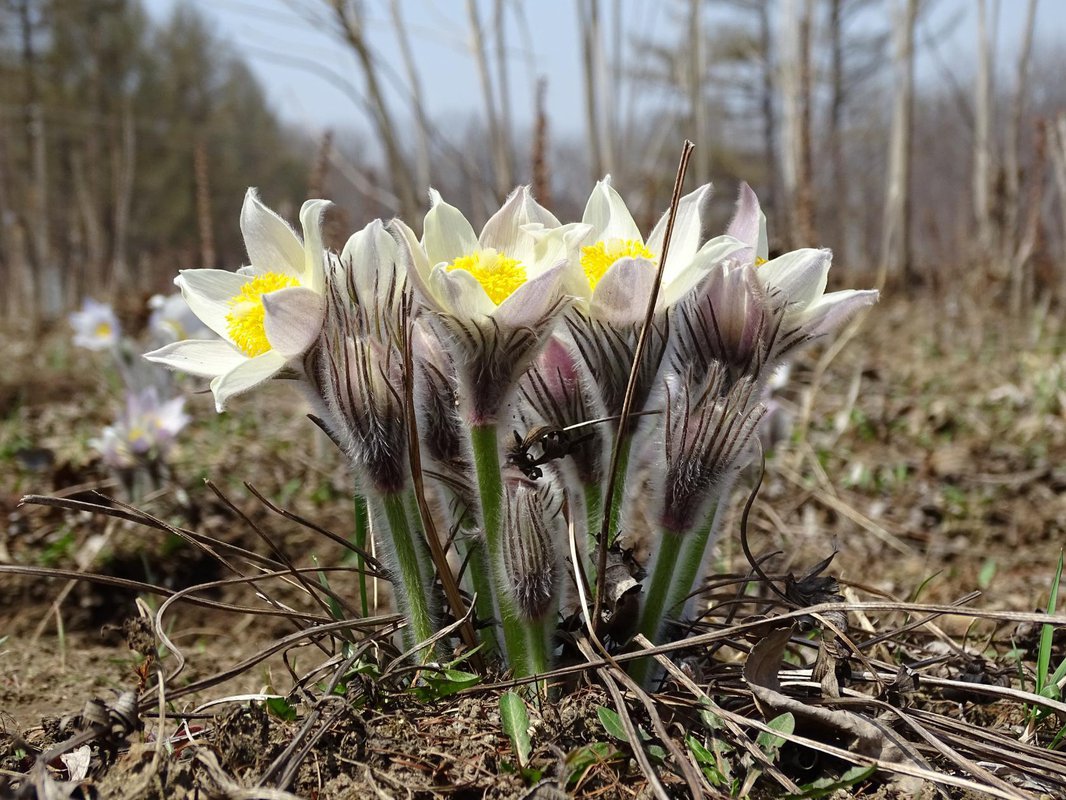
(409, 588)
(359, 538)
(689, 564)
(619, 494)
(539, 637)
(656, 591)
(485, 447)
(477, 571)
(593, 515)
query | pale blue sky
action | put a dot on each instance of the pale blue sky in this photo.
(276, 36)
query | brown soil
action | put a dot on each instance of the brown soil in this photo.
(934, 463)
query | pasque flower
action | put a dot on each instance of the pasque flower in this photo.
(611, 271)
(794, 283)
(171, 319)
(267, 313)
(357, 364)
(95, 325)
(145, 430)
(494, 298)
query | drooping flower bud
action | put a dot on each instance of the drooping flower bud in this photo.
(530, 566)
(557, 391)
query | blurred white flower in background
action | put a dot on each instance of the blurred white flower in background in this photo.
(95, 326)
(144, 431)
(172, 320)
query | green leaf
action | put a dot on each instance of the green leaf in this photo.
(612, 723)
(987, 573)
(707, 761)
(281, 708)
(770, 743)
(515, 720)
(1047, 633)
(443, 682)
(578, 761)
(823, 787)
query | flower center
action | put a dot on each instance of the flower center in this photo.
(245, 322)
(499, 275)
(103, 330)
(760, 261)
(597, 258)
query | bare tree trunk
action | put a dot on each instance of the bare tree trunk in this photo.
(316, 180)
(18, 274)
(402, 184)
(90, 220)
(805, 190)
(37, 189)
(123, 164)
(422, 153)
(506, 117)
(796, 148)
(502, 182)
(1057, 149)
(982, 154)
(202, 176)
(841, 208)
(895, 242)
(589, 22)
(702, 153)
(769, 110)
(1011, 236)
(541, 180)
(1028, 257)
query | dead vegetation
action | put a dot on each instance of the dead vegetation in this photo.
(930, 459)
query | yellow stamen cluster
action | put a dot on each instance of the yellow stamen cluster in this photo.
(245, 323)
(103, 330)
(597, 258)
(759, 261)
(499, 275)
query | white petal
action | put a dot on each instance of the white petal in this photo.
(621, 296)
(690, 230)
(272, 245)
(531, 301)
(311, 220)
(446, 234)
(798, 277)
(250, 373)
(370, 256)
(504, 230)
(417, 265)
(749, 223)
(831, 311)
(293, 319)
(606, 212)
(679, 278)
(208, 293)
(206, 357)
(459, 293)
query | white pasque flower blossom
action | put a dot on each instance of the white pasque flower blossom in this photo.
(171, 319)
(145, 430)
(794, 283)
(611, 268)
(267, 313)
(95, 326)
(496, 298)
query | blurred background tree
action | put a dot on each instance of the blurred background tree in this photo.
(127, 138)
(127, 148)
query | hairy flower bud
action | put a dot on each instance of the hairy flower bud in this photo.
(530, 569)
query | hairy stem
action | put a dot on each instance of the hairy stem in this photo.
(409, 587)
(656, 591)
(360, 537)
(485, 447)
